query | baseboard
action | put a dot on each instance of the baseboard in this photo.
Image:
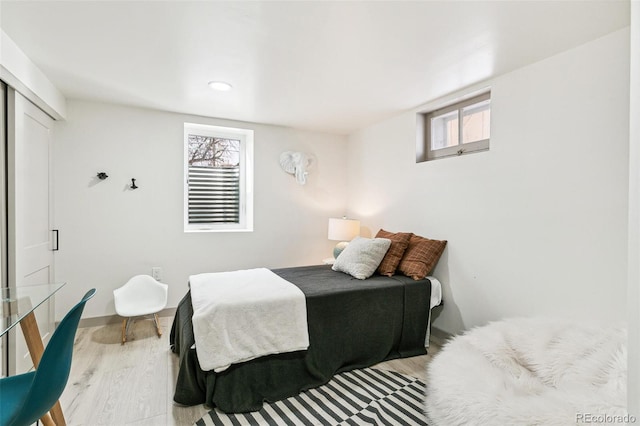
(115, 319)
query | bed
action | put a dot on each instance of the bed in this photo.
(352, 324)
(373, 304)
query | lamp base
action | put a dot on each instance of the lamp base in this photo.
(339, 247)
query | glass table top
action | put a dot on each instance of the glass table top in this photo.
(18, 302)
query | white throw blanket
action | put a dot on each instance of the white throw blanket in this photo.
(242, 315)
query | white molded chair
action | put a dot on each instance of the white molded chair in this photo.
(141, 295)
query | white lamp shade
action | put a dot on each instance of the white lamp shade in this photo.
(343, 229)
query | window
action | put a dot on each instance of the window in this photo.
(456, 129)
(219, 178)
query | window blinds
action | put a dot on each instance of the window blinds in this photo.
(214, 194)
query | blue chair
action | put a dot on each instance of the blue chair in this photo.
(25, 398)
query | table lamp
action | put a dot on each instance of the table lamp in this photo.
(343, 230)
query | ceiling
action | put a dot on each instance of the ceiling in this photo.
(321, 65)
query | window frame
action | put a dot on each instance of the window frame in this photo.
(245, 136)
(460, 148)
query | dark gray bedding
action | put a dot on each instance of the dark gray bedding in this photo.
(352, 324)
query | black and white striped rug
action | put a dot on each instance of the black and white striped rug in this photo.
(359, 397)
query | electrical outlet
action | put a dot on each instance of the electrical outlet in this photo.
(156, 273)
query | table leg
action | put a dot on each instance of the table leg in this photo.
(31, 334)
(32, 337)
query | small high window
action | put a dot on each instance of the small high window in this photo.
(456, 129)
(218, 175)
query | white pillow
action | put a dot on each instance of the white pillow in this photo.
(362, 256)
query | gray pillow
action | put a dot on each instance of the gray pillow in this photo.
(362, 256)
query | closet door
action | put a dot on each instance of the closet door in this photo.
(4, 368)
(30, 255)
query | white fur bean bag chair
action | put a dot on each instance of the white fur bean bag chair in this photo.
(529, 371)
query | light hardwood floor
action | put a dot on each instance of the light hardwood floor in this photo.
(132, 384)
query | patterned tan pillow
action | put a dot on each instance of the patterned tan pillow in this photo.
(421, 257)
(399, 243)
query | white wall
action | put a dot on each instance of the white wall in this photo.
(536, 225)
(109, 233)
(634, 217)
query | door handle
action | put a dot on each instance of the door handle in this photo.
(56, 240)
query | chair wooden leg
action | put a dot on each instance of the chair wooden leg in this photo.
(155, 319)
(124, 330)
(47, 420)
(56, 413)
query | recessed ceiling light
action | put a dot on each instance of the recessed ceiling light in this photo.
(220, 85)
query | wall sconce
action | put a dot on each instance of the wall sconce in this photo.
(133, 184)
(343, 230)
(102, 175)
